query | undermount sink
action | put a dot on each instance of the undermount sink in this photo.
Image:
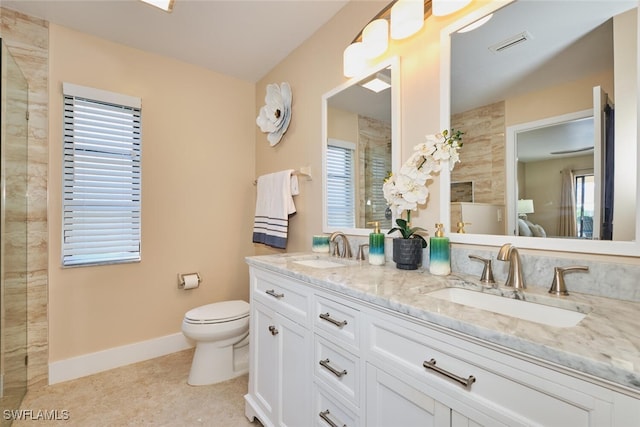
(534, 312)
(319, 263)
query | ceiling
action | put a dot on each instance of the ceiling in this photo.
(241, 38)
(558, 50)
(568, 40)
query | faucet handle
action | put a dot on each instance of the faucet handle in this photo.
(487, 272)
(558, 285)
(360, 256)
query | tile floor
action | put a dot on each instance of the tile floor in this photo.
(149, 393)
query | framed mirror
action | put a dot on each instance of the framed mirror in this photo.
(361, 143)
(544, 103)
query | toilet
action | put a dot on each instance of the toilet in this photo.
(221, 333)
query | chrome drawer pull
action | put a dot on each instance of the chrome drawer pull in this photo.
(325, 416)
(325, 364)
(273, 293)
(466, 382)
(273, 330)
(326, 316)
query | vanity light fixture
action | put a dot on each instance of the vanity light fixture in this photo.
(447, 7)
(166, 5)
(399, 19)
(407, 18)
(375, 38)
(378, 83)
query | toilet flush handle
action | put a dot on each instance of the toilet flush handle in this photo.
(273, 330)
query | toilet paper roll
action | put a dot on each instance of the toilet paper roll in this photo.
(190, 281)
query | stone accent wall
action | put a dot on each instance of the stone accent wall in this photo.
(483, 152)
(27, 39)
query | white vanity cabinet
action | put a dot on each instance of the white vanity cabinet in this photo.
(466, 382)
(346, 362)
(280, 360)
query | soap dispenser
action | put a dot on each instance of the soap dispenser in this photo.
(376, 245)
(439, 253)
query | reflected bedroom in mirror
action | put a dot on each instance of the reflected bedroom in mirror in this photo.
(358, 154)
(549, 110)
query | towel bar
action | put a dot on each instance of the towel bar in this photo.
(303, 171)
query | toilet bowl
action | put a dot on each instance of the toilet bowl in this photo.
(221, 333)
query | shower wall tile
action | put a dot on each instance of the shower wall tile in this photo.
(27, 39)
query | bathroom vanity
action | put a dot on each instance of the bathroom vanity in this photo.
(341, 343)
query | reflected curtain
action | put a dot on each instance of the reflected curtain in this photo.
(567, 225)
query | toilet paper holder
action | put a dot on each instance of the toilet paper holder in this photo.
(182, 280)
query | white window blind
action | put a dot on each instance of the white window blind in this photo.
(379, 170)
(102, 177)
(340, 184)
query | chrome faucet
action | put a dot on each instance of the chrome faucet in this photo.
(346, 248)
(508, 252)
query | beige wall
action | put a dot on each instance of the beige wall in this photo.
(197, 196)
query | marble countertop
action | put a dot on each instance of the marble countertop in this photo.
(605, 344)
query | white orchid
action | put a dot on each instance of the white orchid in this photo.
(275, 115)
(407, 189)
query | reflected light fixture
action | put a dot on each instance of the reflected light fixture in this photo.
(378, 83)
(166, 5)
(400, 19)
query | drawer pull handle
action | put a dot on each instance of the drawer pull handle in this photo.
(325, 364)
(326, 316)
(325, 416)
(466, 382)
(273, 293)
(273, 330)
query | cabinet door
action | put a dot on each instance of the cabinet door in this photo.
(393, 402)
(295, 373)
(264, 359)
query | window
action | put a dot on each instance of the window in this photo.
(101, 177)
(585, 192)
(340, 185)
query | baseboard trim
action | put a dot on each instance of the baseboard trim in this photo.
(92, 363)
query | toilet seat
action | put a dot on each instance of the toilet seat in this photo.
(218, 312)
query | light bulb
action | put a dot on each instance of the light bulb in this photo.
(407, 18)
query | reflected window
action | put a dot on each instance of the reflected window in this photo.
(585, 204)
(340, 185)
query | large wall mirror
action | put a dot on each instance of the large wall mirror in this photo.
(360, 148)
(546, 93)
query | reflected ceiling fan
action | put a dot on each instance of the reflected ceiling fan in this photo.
(577, 150)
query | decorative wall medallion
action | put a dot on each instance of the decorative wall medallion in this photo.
(275, 115)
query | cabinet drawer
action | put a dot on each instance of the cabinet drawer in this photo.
(338, 321)
(291, 299)
(329, 413)
(338, 369)
(475, 375)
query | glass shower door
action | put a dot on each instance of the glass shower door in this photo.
(13, 247)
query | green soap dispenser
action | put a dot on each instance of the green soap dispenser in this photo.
(439, 253)
(376, 245)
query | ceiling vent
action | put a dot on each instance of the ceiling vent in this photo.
(511, 42)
